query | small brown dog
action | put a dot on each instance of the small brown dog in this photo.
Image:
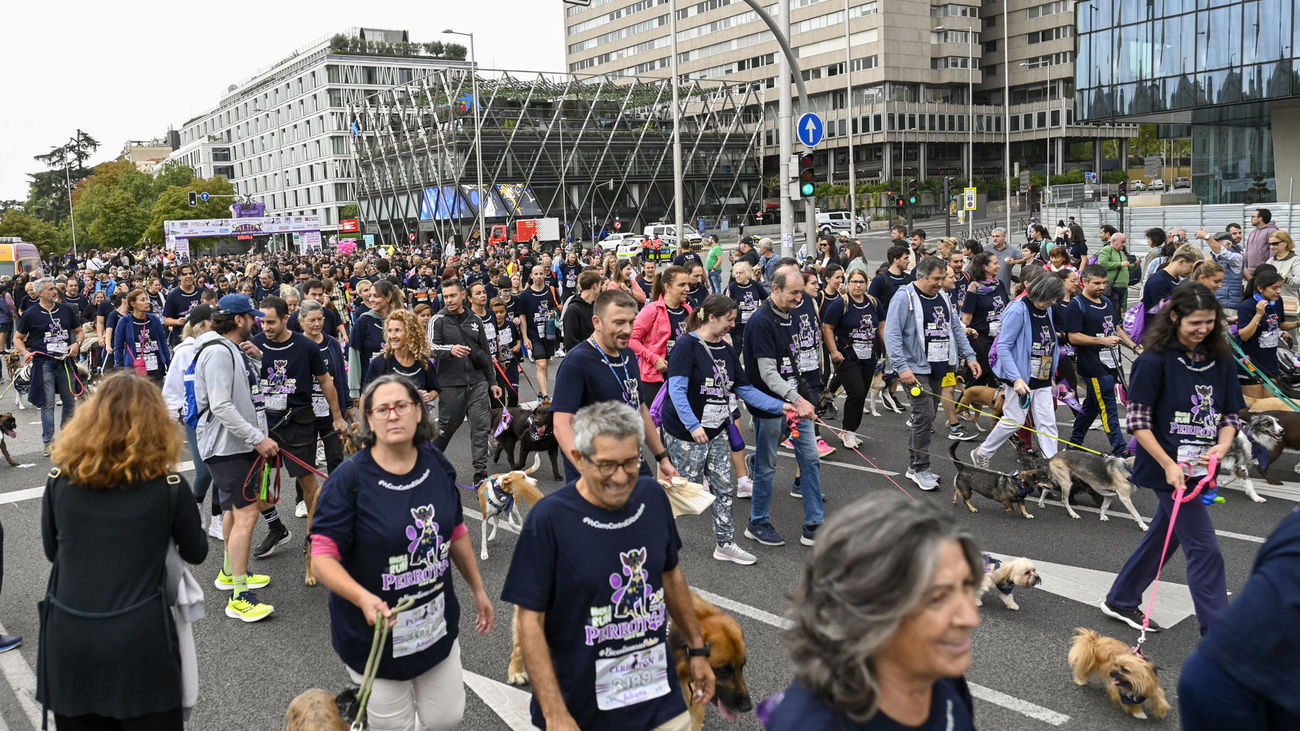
(352, 439)
(977, 400)
(8, 429)
(1132, 682)
(498, 496)
(314, 710)
(1005, 576)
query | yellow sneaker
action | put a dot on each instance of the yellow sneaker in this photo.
(255, 581)
(247, 608)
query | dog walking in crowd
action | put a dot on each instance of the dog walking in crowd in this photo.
(1108, 476)
(1131, 680)
(1008, 489)
(499, 496)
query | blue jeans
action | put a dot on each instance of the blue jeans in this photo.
(54, 378)
(1099, 401)
(202, 477)
(715, 281)
(768, 434)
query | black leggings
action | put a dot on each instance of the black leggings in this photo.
(856, 379)
(982, 344)
(171, 720)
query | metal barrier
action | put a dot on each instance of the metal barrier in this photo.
(1215, 218)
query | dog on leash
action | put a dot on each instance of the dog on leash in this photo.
(1107, 475)
(1289, 421)
(1005, 576)
(528, 431)
(1010, 490)
(1132, 681)
(727, 656)
(21, 376)
(8, 430)
(352, 438)
(1261, 428)
(498, 497)
(978, 400)
(314, 710)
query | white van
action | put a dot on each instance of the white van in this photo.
(667, 232)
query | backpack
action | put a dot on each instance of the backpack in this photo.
(192, 411)
(1135, 318)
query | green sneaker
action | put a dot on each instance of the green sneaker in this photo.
(255, 581)
(246, 607)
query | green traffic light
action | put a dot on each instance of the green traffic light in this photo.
(912, 200)
(1123, 199)
(806, 189)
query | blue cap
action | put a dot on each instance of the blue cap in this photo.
(237, 304)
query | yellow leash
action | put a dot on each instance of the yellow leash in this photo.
(916, 390)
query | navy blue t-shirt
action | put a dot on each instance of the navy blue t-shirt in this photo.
(767, 336)
(535, 307)
(855, 325)
(394, 534)
(748, 296)
(1157, 288)
(985, 306)
(695, 295)
(958, 294)
(288, 370)
(424, 376)
(1094, 319)
(179, 304)
(951, 709)
(587, 376)
(49, 331)
(1187, 398)
(676, 324)
(938, 333)
(713, 372)
(885, 284)
(598, 576)
(367, 336)
(806, 333)
(1042, 341)
(1262, 348)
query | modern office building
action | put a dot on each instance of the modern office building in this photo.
(281, 135)
(595, 153)
(1220, 72)
(918, 87)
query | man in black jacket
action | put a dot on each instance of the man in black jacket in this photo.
(460, 347)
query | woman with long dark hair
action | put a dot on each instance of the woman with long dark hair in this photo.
(853, 331)
(1260, 322)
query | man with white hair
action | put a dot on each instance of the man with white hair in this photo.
(1009, 255)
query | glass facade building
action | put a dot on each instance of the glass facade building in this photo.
(1223, 72)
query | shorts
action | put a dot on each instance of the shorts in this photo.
(235, 480)
(297, 438)
(543, 349)
(949, 380)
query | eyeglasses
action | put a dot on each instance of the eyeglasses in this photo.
(1273, 242)
(607, 469)
(386, 411)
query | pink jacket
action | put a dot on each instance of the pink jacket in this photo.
(650, 335)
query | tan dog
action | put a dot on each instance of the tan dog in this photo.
(1131, 679)
(352, 439)
(498, 496)
(314, 710)
(1261, 405)
(976, 400)
(1005, 576)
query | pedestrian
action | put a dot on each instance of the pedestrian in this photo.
(397, 497)
(578, 310)
(1092, 323)
(199, 321)
(537, 314)
(704, 376)
(882, 622)
(1183, 402)
(1257, 248)
(1225, 249)
(1160, 284)
(1118, 267)
(179, 302)
(113, 507)
(658, 326)
(1260, 323)
(853, 330)
(1010, 256)
(140, 340)
(47, 335)
(1028, 351)
(713, 264)
(407, 353)
(368, 331)
(311, 316)
(598, 657)
(621, 278)
(233, 440)
(771, 356)
(465, 372)
(698, 289)
(1287, 263)
(508, 352)
(986, 298)
(925, 342)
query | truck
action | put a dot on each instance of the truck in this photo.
(547, 231)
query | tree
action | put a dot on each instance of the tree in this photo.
(10, 204)
(31, 229)
(106, 181)
(169, 174)
(47, 196)
(120, 221)
(348, 211)
(174, 205)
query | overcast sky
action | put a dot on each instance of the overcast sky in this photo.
(130, 71)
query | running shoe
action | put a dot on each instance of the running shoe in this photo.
(1131, 617)
(788, 445)
(745, 487)
(733, 553)
(764, 533)
(214, 528)
(255, 581)
(961, 432)
(247, 608)
(978, 459)
(273, 540)
(925, 479)
(47, 449)
(10, 642)
(808, 536)
(796, 491)
(851, 440)
(823, 449)
(300, 510)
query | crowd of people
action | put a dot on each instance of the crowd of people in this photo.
(265, 361)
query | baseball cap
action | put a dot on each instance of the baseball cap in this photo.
(199, 313)
(237, 304)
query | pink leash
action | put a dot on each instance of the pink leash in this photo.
(868, 460)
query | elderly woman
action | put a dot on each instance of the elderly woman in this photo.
(113, 507)
(1284, 259)
(881, 635)
(1028, 352)
(1115, 259)
(398, 480)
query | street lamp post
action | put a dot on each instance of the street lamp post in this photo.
(478, 131)
(1006, 111)
(67, 176)
(848, 102)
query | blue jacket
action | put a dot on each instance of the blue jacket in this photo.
(1016, 340)
(126, 341)
(904, 340)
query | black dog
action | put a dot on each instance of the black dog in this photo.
(532, 432)
(1010, 490)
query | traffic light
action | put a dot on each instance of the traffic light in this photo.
(1114, 202)
(902, 205)
(1122, 198)
(911, 192)
(194, 198)
(806, 175)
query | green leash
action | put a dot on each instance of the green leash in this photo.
(372, 663)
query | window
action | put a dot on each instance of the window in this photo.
(865, 62)
(340, 145)
(1052, 8)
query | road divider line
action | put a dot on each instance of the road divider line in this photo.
(1118, 511)
(23, 681)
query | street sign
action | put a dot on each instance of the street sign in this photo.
(204, 197)
(810, 129)
(1024, 179)
(968, 199)
(411, 236)
(1090, 178)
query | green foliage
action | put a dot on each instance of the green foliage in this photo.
(340, 43)
(174, 205)
(169, 174)
(1113, 177)
(1071, 177)
(1259, 192)
(349, 211)
(31, 229)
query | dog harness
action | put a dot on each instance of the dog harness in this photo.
(1022, 490)
(1131, 700)
(993, 564)
(500, 500)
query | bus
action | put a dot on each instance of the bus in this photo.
(18, 257)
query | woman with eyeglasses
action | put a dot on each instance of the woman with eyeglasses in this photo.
(397, 499)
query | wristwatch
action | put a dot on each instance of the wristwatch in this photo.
(698, 651)
(661, 456)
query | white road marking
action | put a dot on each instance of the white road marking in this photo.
(507, 701)
(1089, 586)
(744, 609)
(18, 495)
(1118, 511)
(826, 463)
(1010, 702)
(1283, 491)
(21, 678)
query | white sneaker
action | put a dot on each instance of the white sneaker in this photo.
(745, 487)
(735, 554)
(851, 440)
(214, 528)
(301, 509)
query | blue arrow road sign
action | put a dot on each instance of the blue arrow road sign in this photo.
(204, 196)
(810, 129)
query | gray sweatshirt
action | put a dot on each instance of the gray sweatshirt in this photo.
(230, 423)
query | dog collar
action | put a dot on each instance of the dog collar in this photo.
(1022, 490)
(500, 500)
(993, 564)
(1131, 700)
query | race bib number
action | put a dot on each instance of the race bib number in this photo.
(808, 361)
(1270, 339)
(319, 406)
(420, 628)
(862, 350)
(151, 361)
(507, 336)
(276, 402)
(56, 347)
(1109, 358)
(633, 678)
(936, 351)
(995, 327)
(744, 315)
(1188, 454)
(715, 415)
(1040, 368)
